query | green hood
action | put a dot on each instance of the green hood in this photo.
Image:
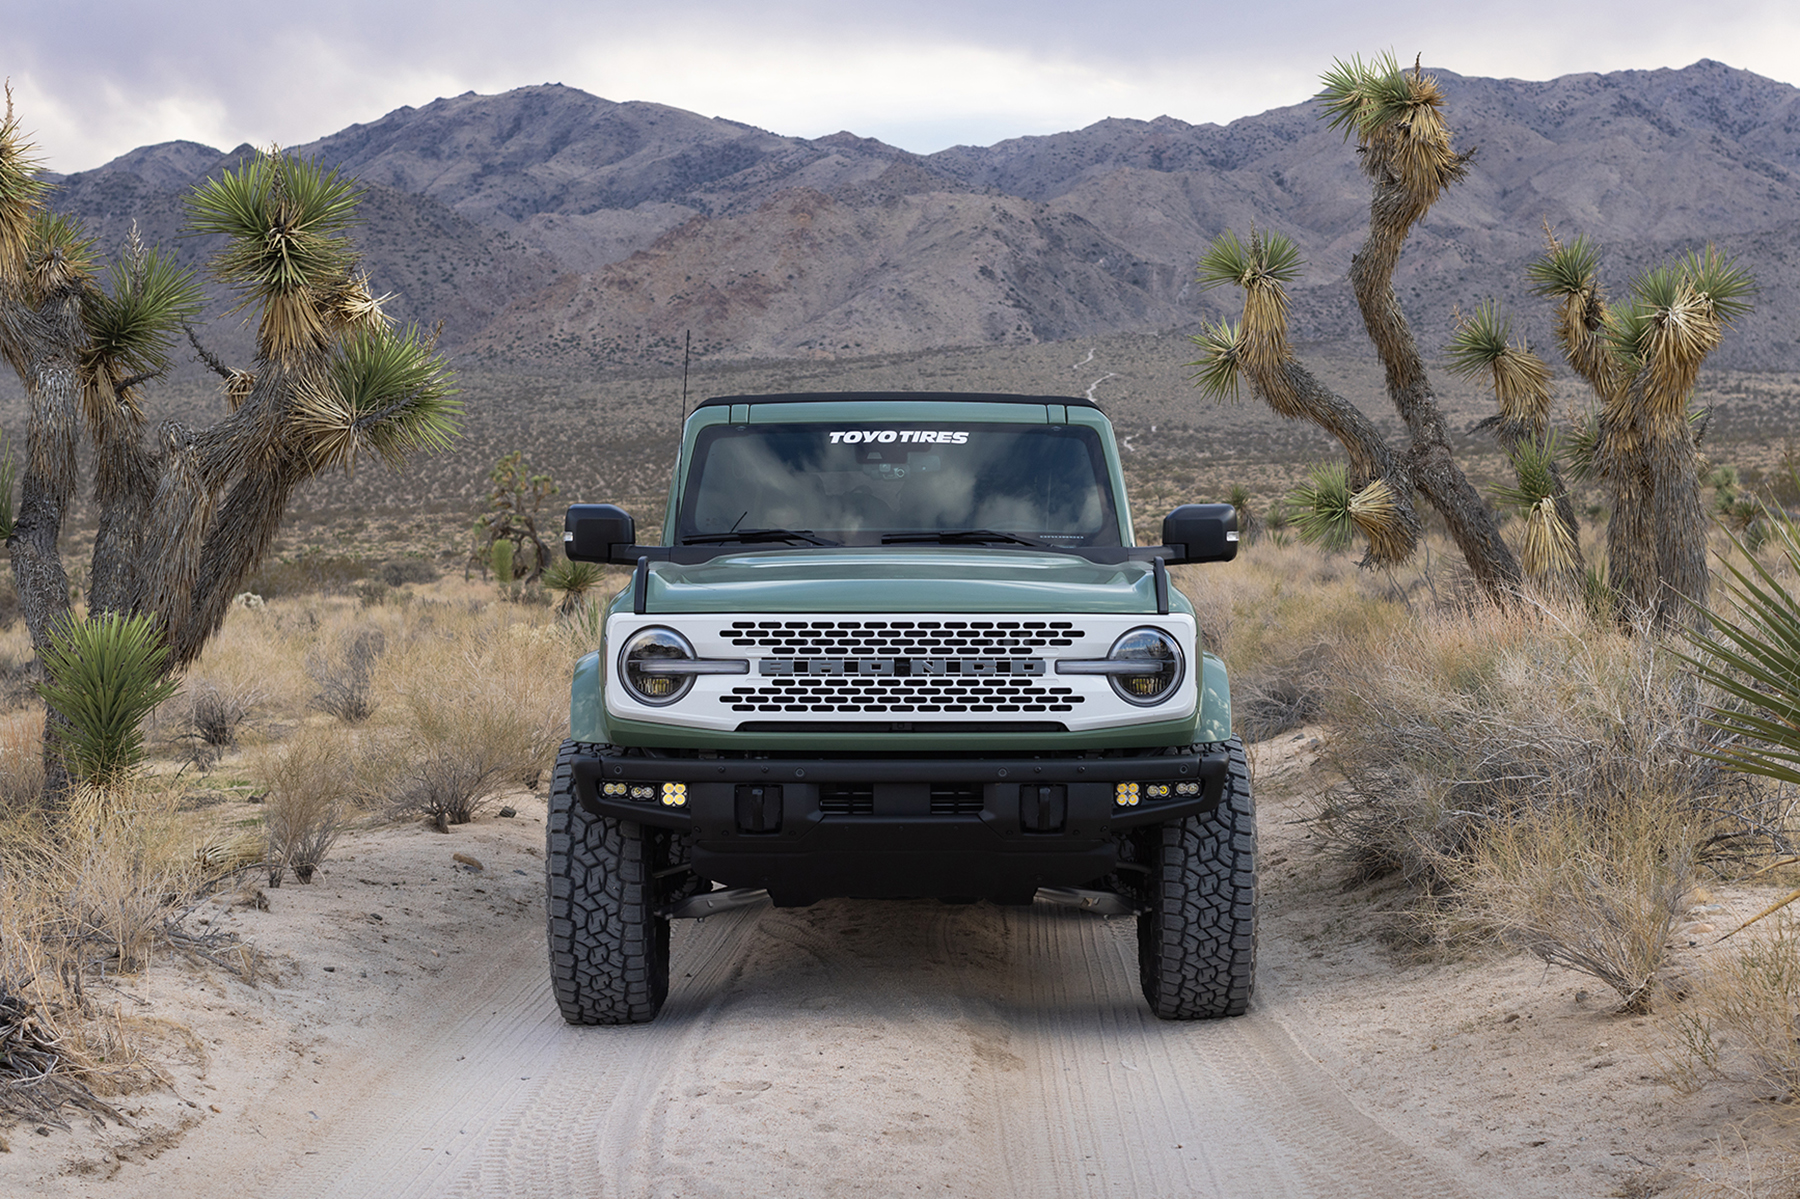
(924, 579)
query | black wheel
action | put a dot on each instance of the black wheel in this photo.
(1197, 935)
(609, 950)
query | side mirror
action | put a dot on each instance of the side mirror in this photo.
(598, 533)
(1201, 533)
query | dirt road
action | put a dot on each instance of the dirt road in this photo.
(410, 1048)
(842, 1050)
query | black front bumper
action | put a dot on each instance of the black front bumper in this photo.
(813, 828)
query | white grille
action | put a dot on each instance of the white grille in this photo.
(902, 638)
(899, 667)
(908, 696)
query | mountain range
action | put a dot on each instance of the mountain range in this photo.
(549, 229)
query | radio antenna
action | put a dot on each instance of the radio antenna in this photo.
(687, 344)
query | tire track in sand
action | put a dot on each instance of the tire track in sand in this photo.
(873, 1049)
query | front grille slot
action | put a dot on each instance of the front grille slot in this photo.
(901, 638)
(955, 799)
(847, 799)
(909, 694)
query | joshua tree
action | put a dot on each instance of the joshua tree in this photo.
(516, 498)
(1641, 359)
(186, 514)
(1405, 150)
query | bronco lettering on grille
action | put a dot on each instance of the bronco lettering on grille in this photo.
(902, 667)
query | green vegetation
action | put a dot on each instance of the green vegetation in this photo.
(106, 674)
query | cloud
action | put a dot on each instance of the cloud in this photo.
(95, 79)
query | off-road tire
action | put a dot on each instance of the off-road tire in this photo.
(1197, 934)
(609, 950)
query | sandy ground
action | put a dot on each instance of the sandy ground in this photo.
(407, 1046)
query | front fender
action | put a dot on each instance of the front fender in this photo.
(587, 712)
(1215, 701)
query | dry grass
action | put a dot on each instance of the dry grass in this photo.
(1280, 616)
(1594, 887)
(344, 673)
(1743, 1017)
(485, 706)
(21, 760)
(1529, 773)
(1471, 720)
(310, 782)
(93, 899)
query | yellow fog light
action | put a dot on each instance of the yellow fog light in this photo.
(674, 795)
(613, 789)
(642, 791)
(1157, 790)
(1126, 795)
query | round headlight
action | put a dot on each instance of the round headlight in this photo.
(1161, 657)
(639, 660)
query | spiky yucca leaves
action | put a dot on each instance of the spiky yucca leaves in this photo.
(385, 394)
(1570, 275)
(1376, 512)
(288, 252)
(1327, 511)
(1678, 314)
(1319, 508)
(575, 581)
(134, 321)
(22, 190)
(1221, 360)
(106, 675)
(236, 388)
(1582, 445)
(59, 256)
(1262, 268)
(1548, 548)
(1396, 117)
(1753, 656)
(1483, 347)
(132, 325)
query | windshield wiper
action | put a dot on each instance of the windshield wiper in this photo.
(747, 536)
(954, 536)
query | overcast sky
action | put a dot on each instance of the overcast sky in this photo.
(94, 78)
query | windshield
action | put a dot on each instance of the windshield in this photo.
(857, 484)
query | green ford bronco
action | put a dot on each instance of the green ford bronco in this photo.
(899, 645)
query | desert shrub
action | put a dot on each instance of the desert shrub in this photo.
(371, 593)
(449, 782)
(345, 675)
(1594, 887)
(1742, 1017)
(1280, 618)
(106, 675)
(310, 782)
(1472, 720)
(402, 571)
(483, 707)
(217, 710)
(95, 894)
(309, 572)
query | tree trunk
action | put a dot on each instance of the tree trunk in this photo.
(53, 388)
(1432, 464)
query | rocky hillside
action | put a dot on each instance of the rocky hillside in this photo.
(550, 228)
